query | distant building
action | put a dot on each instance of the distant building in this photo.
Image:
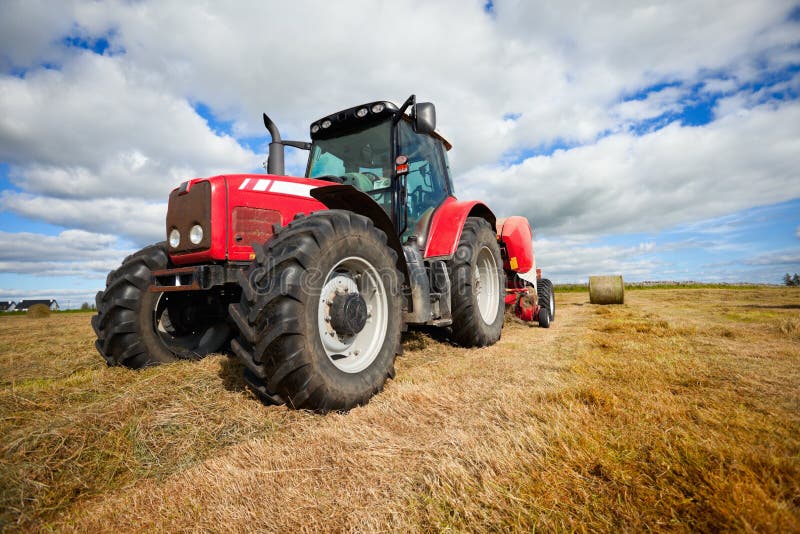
(24, 305)
(7, 306)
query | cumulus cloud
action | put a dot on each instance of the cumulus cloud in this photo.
(561, 66)
(70, 253)
(100, 127)
(628, 183)
(141, 221)
(572, 260)
(68, 245)
(96, 141)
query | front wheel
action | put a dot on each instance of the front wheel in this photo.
(320, 313)
(138, 328)
(478, 286)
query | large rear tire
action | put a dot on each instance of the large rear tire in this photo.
(137, 328)
(320, 314)
(478, 286)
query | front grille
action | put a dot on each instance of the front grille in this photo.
(186, 210)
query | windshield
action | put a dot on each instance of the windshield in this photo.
(362, 159)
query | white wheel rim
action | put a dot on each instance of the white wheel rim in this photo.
(353, 354)
(552, 304)
(487, 285)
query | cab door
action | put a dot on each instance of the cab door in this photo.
(426, 184)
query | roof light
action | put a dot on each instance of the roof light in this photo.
(377, 108)
(326, 123)
(314, 128)
(361, 113)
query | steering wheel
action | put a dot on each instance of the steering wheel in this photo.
(372, 176)
(330, 178)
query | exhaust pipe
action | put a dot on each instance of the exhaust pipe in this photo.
(275, 159)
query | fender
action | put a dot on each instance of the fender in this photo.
(515, 233)
(448, 222)
(347, 197)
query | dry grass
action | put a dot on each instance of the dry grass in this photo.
(677, 411)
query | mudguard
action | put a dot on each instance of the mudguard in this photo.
(515, 233)
(447, 223)
(347, 197)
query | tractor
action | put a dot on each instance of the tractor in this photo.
(310, 281)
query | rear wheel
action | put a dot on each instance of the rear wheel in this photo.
(478, 286)
(137, 328)
(320, 313)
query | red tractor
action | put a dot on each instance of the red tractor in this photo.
(310, 281)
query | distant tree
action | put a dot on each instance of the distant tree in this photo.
(796, 280)
(85, 306)
(787, 279)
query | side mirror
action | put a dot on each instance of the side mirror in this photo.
(424, 115)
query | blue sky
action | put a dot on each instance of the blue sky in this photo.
(656, 141)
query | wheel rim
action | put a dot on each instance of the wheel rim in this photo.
(186, 341)
(487, 285)
(552, 304)
(354, 353)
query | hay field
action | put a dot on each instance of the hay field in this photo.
(679, 411)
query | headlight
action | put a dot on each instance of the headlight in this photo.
(196, 234)
(174, 238)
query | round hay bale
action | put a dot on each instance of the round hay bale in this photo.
(606, 290)
(38, 310)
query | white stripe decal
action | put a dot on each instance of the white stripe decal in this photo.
(291, 188)
(262, 185)
(244, 184)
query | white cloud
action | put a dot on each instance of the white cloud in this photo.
(572, 261)
(141, 221)
(96, 270)
(101, 127)
(780, 257)
(68, 245)
(97, 142)
(633, 184)
(562, 66)
(70, 253)
(653, 105)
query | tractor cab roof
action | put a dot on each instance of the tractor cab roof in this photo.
(359, 117)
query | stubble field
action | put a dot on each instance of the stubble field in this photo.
(679, 411)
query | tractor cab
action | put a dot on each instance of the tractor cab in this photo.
(396, 158)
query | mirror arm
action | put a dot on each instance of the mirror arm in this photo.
(410, 101)
(302, 145)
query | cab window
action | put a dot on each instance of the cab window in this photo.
(361, 158)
